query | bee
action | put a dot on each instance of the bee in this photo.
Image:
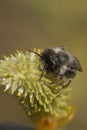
(59, 65)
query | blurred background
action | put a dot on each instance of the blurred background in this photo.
(42, 24)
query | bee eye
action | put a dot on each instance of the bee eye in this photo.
(63, 58)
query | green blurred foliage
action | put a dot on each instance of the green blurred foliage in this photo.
(42, 24)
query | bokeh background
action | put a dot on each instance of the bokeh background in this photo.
(42, 24)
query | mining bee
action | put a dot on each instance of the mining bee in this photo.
(58, 65)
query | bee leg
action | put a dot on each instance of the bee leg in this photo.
(41, 75)
(60, 80)
(56, 83)
(43, 71)
(64, 86)
(53, 82)
(34, 52)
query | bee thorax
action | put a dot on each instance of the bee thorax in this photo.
(62, 70)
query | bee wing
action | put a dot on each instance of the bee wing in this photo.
(77, 64)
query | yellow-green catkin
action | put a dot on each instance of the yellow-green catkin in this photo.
(20, 76)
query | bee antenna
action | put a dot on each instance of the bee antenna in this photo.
(34, 52)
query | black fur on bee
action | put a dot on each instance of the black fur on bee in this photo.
(59, 65)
